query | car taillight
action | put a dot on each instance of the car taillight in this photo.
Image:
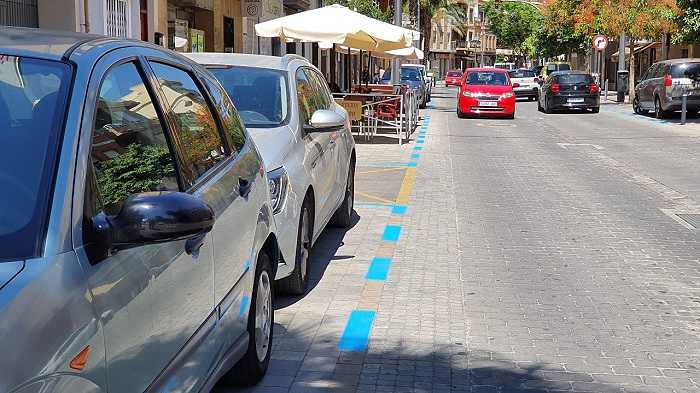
(594, 88)
(555, 88)
(668, 80)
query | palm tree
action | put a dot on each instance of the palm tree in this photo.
(454, 12)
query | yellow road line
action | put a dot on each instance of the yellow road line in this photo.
(376, 198)
(380, 170)
(406, 186)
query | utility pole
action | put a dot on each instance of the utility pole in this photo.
(396, 63)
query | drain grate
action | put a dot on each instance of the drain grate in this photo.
(692, 219)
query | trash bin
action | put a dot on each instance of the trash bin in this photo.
(623, 78)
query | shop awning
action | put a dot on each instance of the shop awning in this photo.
(336, 24)
(637, 49)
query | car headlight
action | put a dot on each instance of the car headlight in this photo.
(467, 93)
(507, 95)
(278, 182)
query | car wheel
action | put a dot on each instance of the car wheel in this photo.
(659, 113)
(547, 108)
(511, 117)
(261, 318)
(595, 110)
(343, 216)
(539, 105)
(298, 281)
(637, 107)
(460, 114)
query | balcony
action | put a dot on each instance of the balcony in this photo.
(298, 5)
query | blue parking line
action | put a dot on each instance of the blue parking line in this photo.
(399, 210)
(391, 233)
(356, 333)
(412, 164)
(418, 148)
(415, 155)
(378, 269)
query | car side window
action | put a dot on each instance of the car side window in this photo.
(130, 152)
(320, 87)
(307, 97)
(234, 131)
(196, 130)
(661, 71)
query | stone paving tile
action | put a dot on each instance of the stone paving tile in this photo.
(518, 269)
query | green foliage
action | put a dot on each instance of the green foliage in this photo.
(513, 23)
(140, 168)
(688, 22)
(365, 7)
(550, 43)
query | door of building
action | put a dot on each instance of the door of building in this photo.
(229, 35)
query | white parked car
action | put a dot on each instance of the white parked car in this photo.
(527, 83)
(306, 143)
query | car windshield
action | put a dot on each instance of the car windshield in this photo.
(260, 94)
(686, 70)
(487, 78)
(522, 74)
(407, 74)
(574, 78)
(32, 100)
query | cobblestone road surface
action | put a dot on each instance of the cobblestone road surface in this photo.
(543, 254)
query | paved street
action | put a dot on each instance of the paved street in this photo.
(547, 253)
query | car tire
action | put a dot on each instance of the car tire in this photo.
(547, 108)
(539, 106)
(298, 281)
(637, 107)
(511, 117)
(595, 110)
(343, 216)
(251, 368)
(659, 113)
(460, 114)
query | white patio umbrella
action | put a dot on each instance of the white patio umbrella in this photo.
(410, 53)
(335, 24)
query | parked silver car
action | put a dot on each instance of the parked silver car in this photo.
(136, 232)
(661, 88)
(305, 140)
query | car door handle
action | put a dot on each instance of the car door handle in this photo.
(194, 244)
(244, 186)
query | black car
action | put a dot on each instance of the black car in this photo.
(569, 90)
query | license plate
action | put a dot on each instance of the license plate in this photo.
(488, 103)
(575, 100)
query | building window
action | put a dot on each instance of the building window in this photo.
(19, 13)
(117, 18)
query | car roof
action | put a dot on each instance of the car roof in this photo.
(569, 72)
(240, 59)
(484, 69)
(41, 43)
(680, 61)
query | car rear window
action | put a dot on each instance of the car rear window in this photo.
(686, 70)
(454, 74)
(522, 74)
(33, 95)
(574, 78)
(493, 78)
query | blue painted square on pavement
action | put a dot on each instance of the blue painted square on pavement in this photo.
(357, 330)
(399, 210)
(378, 269)
(415, 155)
(391, 233)
(417, 148)
(412, 164)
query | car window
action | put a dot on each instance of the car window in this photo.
(129, 152)
(454, 74)
(260, 95)
(33, 95)
(686, 70)
(564, 67)
(551, 68)
(487, 78)
(654, 71)
(522, 74)
(310, 99)
(196, 131)
(574, 78)
(233, 126)
(321, 88)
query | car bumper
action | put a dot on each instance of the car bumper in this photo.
(565, 102)
(527, 92)
(471, 106)
(676, 103)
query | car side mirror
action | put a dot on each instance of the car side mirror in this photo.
(516, 85)
(324, 120)
(155, 217)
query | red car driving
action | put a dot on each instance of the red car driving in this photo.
(486, 92)
(453, 78)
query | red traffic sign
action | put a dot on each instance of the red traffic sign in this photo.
(600, 42)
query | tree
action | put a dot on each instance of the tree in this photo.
(434, 9)
(688, 22)
(639, 19)
(365, 7)
(513, 24)
(558, 34)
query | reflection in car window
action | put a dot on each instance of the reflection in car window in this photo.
(574, 78)
(32, 101)
(233, 127)
(487, 78)
(686, 70)
(260, 95)
(522, 74)
(321, 87)
(309, 98)
(196, 129)
(129, 150)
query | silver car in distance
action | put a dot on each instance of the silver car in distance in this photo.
(136, 234)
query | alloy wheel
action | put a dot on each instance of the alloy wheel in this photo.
(263, 316)
(305, 239)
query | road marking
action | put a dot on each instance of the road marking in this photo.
(378, 269)
(399, 210)
(381, 170)
(356, 333)
(566, 146)
(376, 198)
(391, 233)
